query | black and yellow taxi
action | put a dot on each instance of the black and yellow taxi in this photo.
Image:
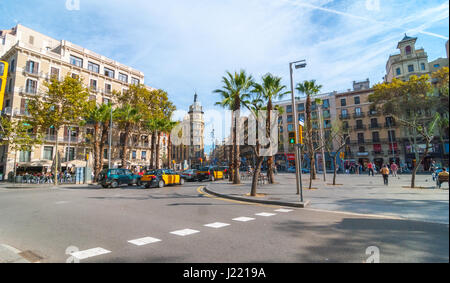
(161, 177)
(210, 173)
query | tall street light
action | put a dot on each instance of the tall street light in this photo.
(298, 170)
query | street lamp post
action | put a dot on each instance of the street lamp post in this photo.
(298, 170)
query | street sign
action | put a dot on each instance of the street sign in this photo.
(301, 122)
(300, 134)
(341, 155)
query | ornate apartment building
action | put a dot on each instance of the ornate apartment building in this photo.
(192, 154)
(33, 58)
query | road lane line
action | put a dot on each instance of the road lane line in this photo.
(284, 210)
(184, 232)
(217, 225)
(265, 214)
(89, 253)
(144, 241)
(243, 219)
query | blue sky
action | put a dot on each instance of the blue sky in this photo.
(184, 46)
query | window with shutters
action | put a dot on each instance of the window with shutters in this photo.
(31, 86)
(54, 72)
(32, 67)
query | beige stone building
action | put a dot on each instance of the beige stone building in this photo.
(33, 58)
(193, 154)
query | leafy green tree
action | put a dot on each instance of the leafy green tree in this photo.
(65, 103)
(234, 93)
(411, 103)
(17, 134)
(270, 90)
(310, 89)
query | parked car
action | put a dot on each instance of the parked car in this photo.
(161, 178)
(209, 173)
(116, 177)
(189, 175)
(225, 170)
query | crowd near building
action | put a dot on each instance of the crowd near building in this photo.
(33, 58)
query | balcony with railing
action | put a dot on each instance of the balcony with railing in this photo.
(390, 125)
(373, 113)
(375, 126)
(360, 128)
(344, 116)
(377, 152)
(358, 115)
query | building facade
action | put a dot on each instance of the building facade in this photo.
(33, 59)
(193, 154)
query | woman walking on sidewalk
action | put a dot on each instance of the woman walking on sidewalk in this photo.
(385, 172)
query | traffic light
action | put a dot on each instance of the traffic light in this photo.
(3, 75)
(291, 137)
(300, 133)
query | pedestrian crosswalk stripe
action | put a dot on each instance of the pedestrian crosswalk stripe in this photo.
(217, 225)
(89, 253)
(184, 232)
(284, 210)
(243, 219)
(265, 214)
(144, 241)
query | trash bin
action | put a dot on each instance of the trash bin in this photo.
(19, 179)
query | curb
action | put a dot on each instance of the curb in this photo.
(262, 201)
(9, 254)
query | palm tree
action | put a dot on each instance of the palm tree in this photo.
(127, 118)
(270, 89)
(310, 88)
(99, 116)
(234, 93)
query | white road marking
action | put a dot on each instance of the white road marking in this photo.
(61, 202)
(184, 232)
(144, 241)
(265, 214)
(89, 253)
(284, 210)
(243, 219)
(217, 225)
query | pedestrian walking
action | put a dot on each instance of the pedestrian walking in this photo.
(370, 167)
(394, 169)
(385, 173)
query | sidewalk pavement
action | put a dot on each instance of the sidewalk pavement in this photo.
(7, 185)
(356, 194)
(9, 254)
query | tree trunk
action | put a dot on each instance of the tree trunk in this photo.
(335, 169)
(152, 150)
(169, 151)
(270, 174)
(97, 152)
(56, 158)
(157, 151)
(413, 177)
(237, 161)
(256, 173)
(125, 146)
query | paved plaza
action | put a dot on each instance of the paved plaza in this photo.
(355, 194)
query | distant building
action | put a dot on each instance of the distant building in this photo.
(410, 61)
(193, 154)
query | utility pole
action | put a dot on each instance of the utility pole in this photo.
(324, 167)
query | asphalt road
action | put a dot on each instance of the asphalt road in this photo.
(47, 221)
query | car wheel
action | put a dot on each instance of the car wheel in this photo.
(147, 185)
(138, 183)
(105, 186)
(161, 184)
(181, 181)
(114, 184)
